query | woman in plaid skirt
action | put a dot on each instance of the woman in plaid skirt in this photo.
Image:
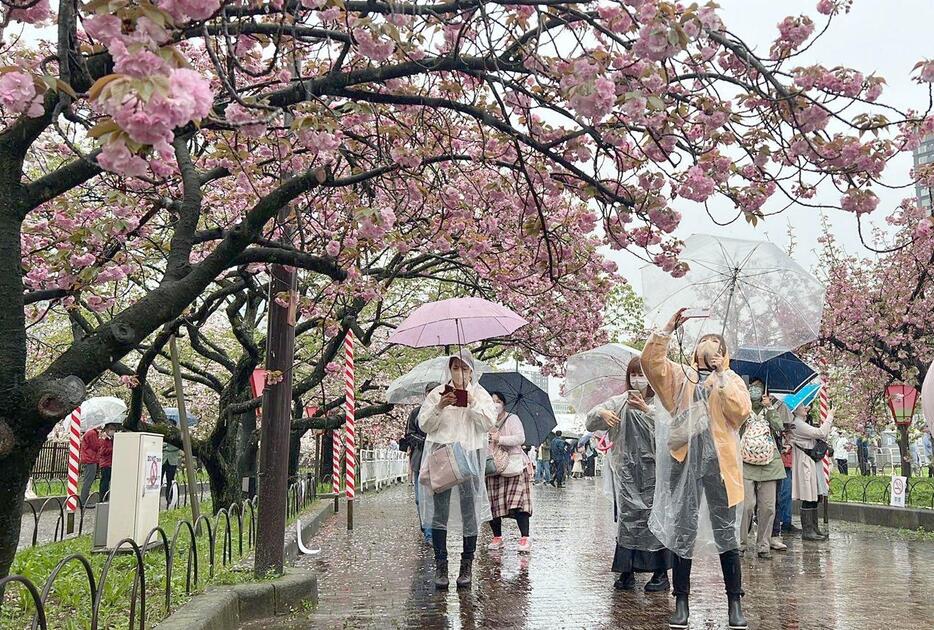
(510, 497)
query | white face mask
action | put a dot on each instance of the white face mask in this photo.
(639, 382)
(498, 406)
(755, 392)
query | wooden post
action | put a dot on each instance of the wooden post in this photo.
(193, 499)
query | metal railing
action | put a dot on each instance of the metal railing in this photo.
(877, 491)
(381, 467)
(217, 530)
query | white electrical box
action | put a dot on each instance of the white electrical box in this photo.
(135, 487)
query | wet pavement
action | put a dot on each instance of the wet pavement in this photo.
(379, 576)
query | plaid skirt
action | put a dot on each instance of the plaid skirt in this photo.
(510, 494)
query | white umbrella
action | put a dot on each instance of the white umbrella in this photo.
(96, 412)
(596, 375)
(758, 297)
(927, 398)
(409, 389)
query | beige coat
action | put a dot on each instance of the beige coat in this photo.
(804, 470)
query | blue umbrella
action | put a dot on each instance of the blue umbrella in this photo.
(804, 396)
(782, 374)
(526, 400)
(172, 414)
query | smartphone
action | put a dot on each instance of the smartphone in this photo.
(695, 313)
(460, 393)
(634, 392)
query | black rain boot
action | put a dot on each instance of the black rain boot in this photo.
(809, 525)
(817, 528)
(625, 582)
(658, 583)
(679, 619)
(441, 575)
(737, 620)
(466, 574)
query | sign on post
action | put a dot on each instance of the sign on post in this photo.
(897, 492)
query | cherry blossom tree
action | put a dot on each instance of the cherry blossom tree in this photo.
(147, 146)
(878, 325)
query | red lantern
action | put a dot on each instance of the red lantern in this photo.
(902, 400)
(311, 410)
(258, 385)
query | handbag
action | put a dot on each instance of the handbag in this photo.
(505, 464)
(449, 466)
(757, 446)
(817, 453)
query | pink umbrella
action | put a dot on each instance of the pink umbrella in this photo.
(456, 321)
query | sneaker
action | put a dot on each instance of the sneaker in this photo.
(776, 543)
(496, 543)
(525, 545)
(765, 555)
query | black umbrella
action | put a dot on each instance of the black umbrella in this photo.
(526, 400)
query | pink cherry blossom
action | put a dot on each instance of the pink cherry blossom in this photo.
(18, 94)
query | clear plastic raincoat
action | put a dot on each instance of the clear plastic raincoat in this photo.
(466, 505)
(698, 465)
(630, 468)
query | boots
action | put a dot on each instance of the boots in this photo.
(466, 574)
(679, 619)
(817, 524)
(658, 583)
(441, 575)
(737, 620)
(809, 525)
(625, 582)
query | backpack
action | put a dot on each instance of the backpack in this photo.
(757, 446)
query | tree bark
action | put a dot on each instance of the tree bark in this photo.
(905, 451)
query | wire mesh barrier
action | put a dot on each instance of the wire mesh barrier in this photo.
(877, 490)
(231, 532)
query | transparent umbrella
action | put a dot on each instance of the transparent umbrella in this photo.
(595, 375)
(409, 389)
(757, 296)
(96, 412)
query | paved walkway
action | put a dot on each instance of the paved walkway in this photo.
(378, 576)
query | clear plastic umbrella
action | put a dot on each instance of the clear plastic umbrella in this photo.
(96, 412)
(409, 389)
(757, 296)
(598, 374)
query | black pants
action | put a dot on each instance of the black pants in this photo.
(105, 483)
(522, 520)
(722, 516)
(843, 466)
(559, 471)
(729, 564)
(809, 504)
(169, 471)
(439, 541)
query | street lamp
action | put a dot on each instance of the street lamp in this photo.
(902, 400)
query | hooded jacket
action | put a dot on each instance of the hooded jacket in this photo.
(728, 405)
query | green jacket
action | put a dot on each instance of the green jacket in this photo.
(171, 455)
(775, 469)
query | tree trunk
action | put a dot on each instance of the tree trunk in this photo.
(904, 451)
(15, 469)
(327, 454)
(225, 482)
(295, 451)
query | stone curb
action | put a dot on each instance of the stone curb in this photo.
(226, 607)
(881, 515)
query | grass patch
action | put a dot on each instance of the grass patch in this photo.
(69, 605)
(875, 489)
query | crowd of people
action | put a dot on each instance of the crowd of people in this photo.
(685, 442)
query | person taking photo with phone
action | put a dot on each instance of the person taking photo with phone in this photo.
(629, 420)
(697, 459)
(806, 467)
(456, 417)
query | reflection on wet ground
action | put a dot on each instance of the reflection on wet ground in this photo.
(379, 576)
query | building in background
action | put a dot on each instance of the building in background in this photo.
(924, 154)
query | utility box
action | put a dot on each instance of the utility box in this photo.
(135, 487)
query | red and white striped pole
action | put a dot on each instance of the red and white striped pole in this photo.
(824, 402)
(350, 455)
(74, 452)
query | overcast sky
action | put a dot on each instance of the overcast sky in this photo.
(879, 36)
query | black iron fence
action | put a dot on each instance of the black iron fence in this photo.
(216, 530)
(52, 462)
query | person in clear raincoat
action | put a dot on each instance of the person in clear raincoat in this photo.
(465, 427)
(629, 420)
(698, 465)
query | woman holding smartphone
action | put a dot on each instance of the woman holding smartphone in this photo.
(629, 420)
(458, 413)
(703, 405)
